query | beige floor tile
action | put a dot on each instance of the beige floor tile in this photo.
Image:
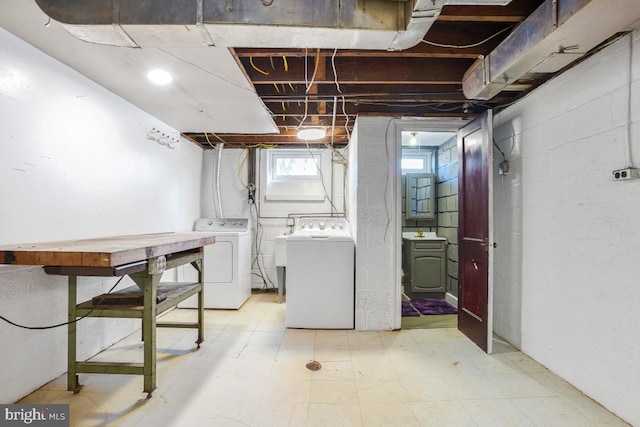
(336, 391)
(445, 414)
(299, 337)
(286, 391)
(340, 370)
(332, 338)
(474, 387)
(553, 382)
(251, 370)
(332, 353)
(427, 389)
(289, 370)
(259, 352)
(551, 411)
(279, 414)
(221, 413)
(593, 411)
(520, 385)
(494, 364)
(525, 363)
(496, 412)
(381, 392)
(333, 415)
(368, 351)
(266, 337)
(388, 414)
(303, 353)
(374, 369)
(364, 338)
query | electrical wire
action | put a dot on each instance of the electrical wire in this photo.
(264, 73)
(468, 45)
(333, 66)
(241, 167)
(286, 63)
(324, 187)
(38, 328)
(501, 152)
(386, 183)
(258, 260)
(315, 71)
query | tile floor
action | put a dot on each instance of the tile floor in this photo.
(251, 371)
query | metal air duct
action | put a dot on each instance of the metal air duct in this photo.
(342, 24)
(555, 35)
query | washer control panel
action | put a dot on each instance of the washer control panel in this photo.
(222, 224)
(322, 225)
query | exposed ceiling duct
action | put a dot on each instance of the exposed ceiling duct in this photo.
(555, 35)
(343, 24)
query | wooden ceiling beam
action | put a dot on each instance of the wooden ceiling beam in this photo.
(365, 70)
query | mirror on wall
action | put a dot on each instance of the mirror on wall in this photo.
(420, 196)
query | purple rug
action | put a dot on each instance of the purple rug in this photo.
(408, 310)
(433, 306)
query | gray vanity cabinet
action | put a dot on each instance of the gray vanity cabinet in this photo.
(425, 266)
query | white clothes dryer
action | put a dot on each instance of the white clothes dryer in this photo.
(227, 264)
(320, 275)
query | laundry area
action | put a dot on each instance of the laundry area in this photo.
(367, 213)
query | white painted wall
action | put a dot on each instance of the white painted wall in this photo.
(568, 235)
(375, 215)
(75, 162)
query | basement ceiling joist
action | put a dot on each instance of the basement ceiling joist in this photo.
(423, 81)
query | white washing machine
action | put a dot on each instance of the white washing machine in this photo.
(227, 264)
(320, 275)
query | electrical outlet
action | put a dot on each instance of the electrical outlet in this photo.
(626, 174)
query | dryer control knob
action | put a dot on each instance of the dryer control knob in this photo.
(321, 225)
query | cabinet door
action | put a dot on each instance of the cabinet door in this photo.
(427, 272)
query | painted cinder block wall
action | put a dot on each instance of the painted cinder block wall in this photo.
(448, 208)
(75, 162)
(567, 289)
(373, 186)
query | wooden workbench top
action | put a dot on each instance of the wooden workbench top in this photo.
(103, 252)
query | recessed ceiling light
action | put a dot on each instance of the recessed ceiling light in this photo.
(311, 134)
(159, 77)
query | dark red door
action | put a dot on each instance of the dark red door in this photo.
(474, 160)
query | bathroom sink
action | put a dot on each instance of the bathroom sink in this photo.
(413, 235)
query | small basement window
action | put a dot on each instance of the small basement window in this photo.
(416, 161)
(294, 175)
(294, 166)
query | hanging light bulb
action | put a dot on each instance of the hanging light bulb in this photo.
(414, 139)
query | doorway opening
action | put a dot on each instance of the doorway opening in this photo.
(429, 263)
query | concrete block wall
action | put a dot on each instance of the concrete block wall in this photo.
(373, 210)
(447, 202)
(569, 232)
(75, 162)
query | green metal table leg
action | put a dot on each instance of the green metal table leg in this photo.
(149, 331)
(200, 266)
(72, 377)
(149, 284)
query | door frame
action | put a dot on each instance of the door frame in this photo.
(398, 126)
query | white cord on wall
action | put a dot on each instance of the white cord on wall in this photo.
(629, 101)
(216, 182)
